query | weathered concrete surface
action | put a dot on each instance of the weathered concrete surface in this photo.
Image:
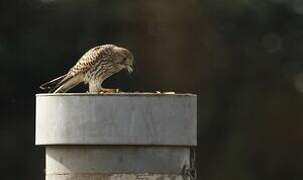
(116, 136)
(116, 119)
(116, 159)
(115, 177)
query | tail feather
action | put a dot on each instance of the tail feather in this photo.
(66, 84)
(62, 83)
(59, 84)
(51, 84)
(54, 84)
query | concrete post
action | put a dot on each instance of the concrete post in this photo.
(137, 136)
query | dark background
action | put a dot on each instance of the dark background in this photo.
(242, 57)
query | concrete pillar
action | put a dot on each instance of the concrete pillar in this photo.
(141, 136)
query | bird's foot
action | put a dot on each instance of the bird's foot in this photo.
(104, 90)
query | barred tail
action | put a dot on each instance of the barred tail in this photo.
(66, 84)
(53, 83)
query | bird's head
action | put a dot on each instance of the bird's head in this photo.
(123, 59)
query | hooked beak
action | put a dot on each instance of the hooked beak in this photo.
(130, 68)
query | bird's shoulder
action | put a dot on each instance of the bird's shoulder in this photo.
(89, 58)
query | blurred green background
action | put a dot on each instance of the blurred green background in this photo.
(242, 57)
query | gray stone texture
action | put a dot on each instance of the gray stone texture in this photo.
(122, 119)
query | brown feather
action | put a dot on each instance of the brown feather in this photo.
(52, 83)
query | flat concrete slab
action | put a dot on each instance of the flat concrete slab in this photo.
(116, 119)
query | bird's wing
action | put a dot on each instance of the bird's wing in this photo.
(83, 65)
(86, 61)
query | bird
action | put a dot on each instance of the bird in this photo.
(96, 65)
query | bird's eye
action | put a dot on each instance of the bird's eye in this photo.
(124, 59)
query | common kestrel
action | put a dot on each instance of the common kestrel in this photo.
(96, 65)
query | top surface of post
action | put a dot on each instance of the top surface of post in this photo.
(116, 119)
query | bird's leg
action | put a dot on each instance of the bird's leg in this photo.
(97, 88)
(105, 90)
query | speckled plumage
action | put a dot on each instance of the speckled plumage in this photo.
(96, 65)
